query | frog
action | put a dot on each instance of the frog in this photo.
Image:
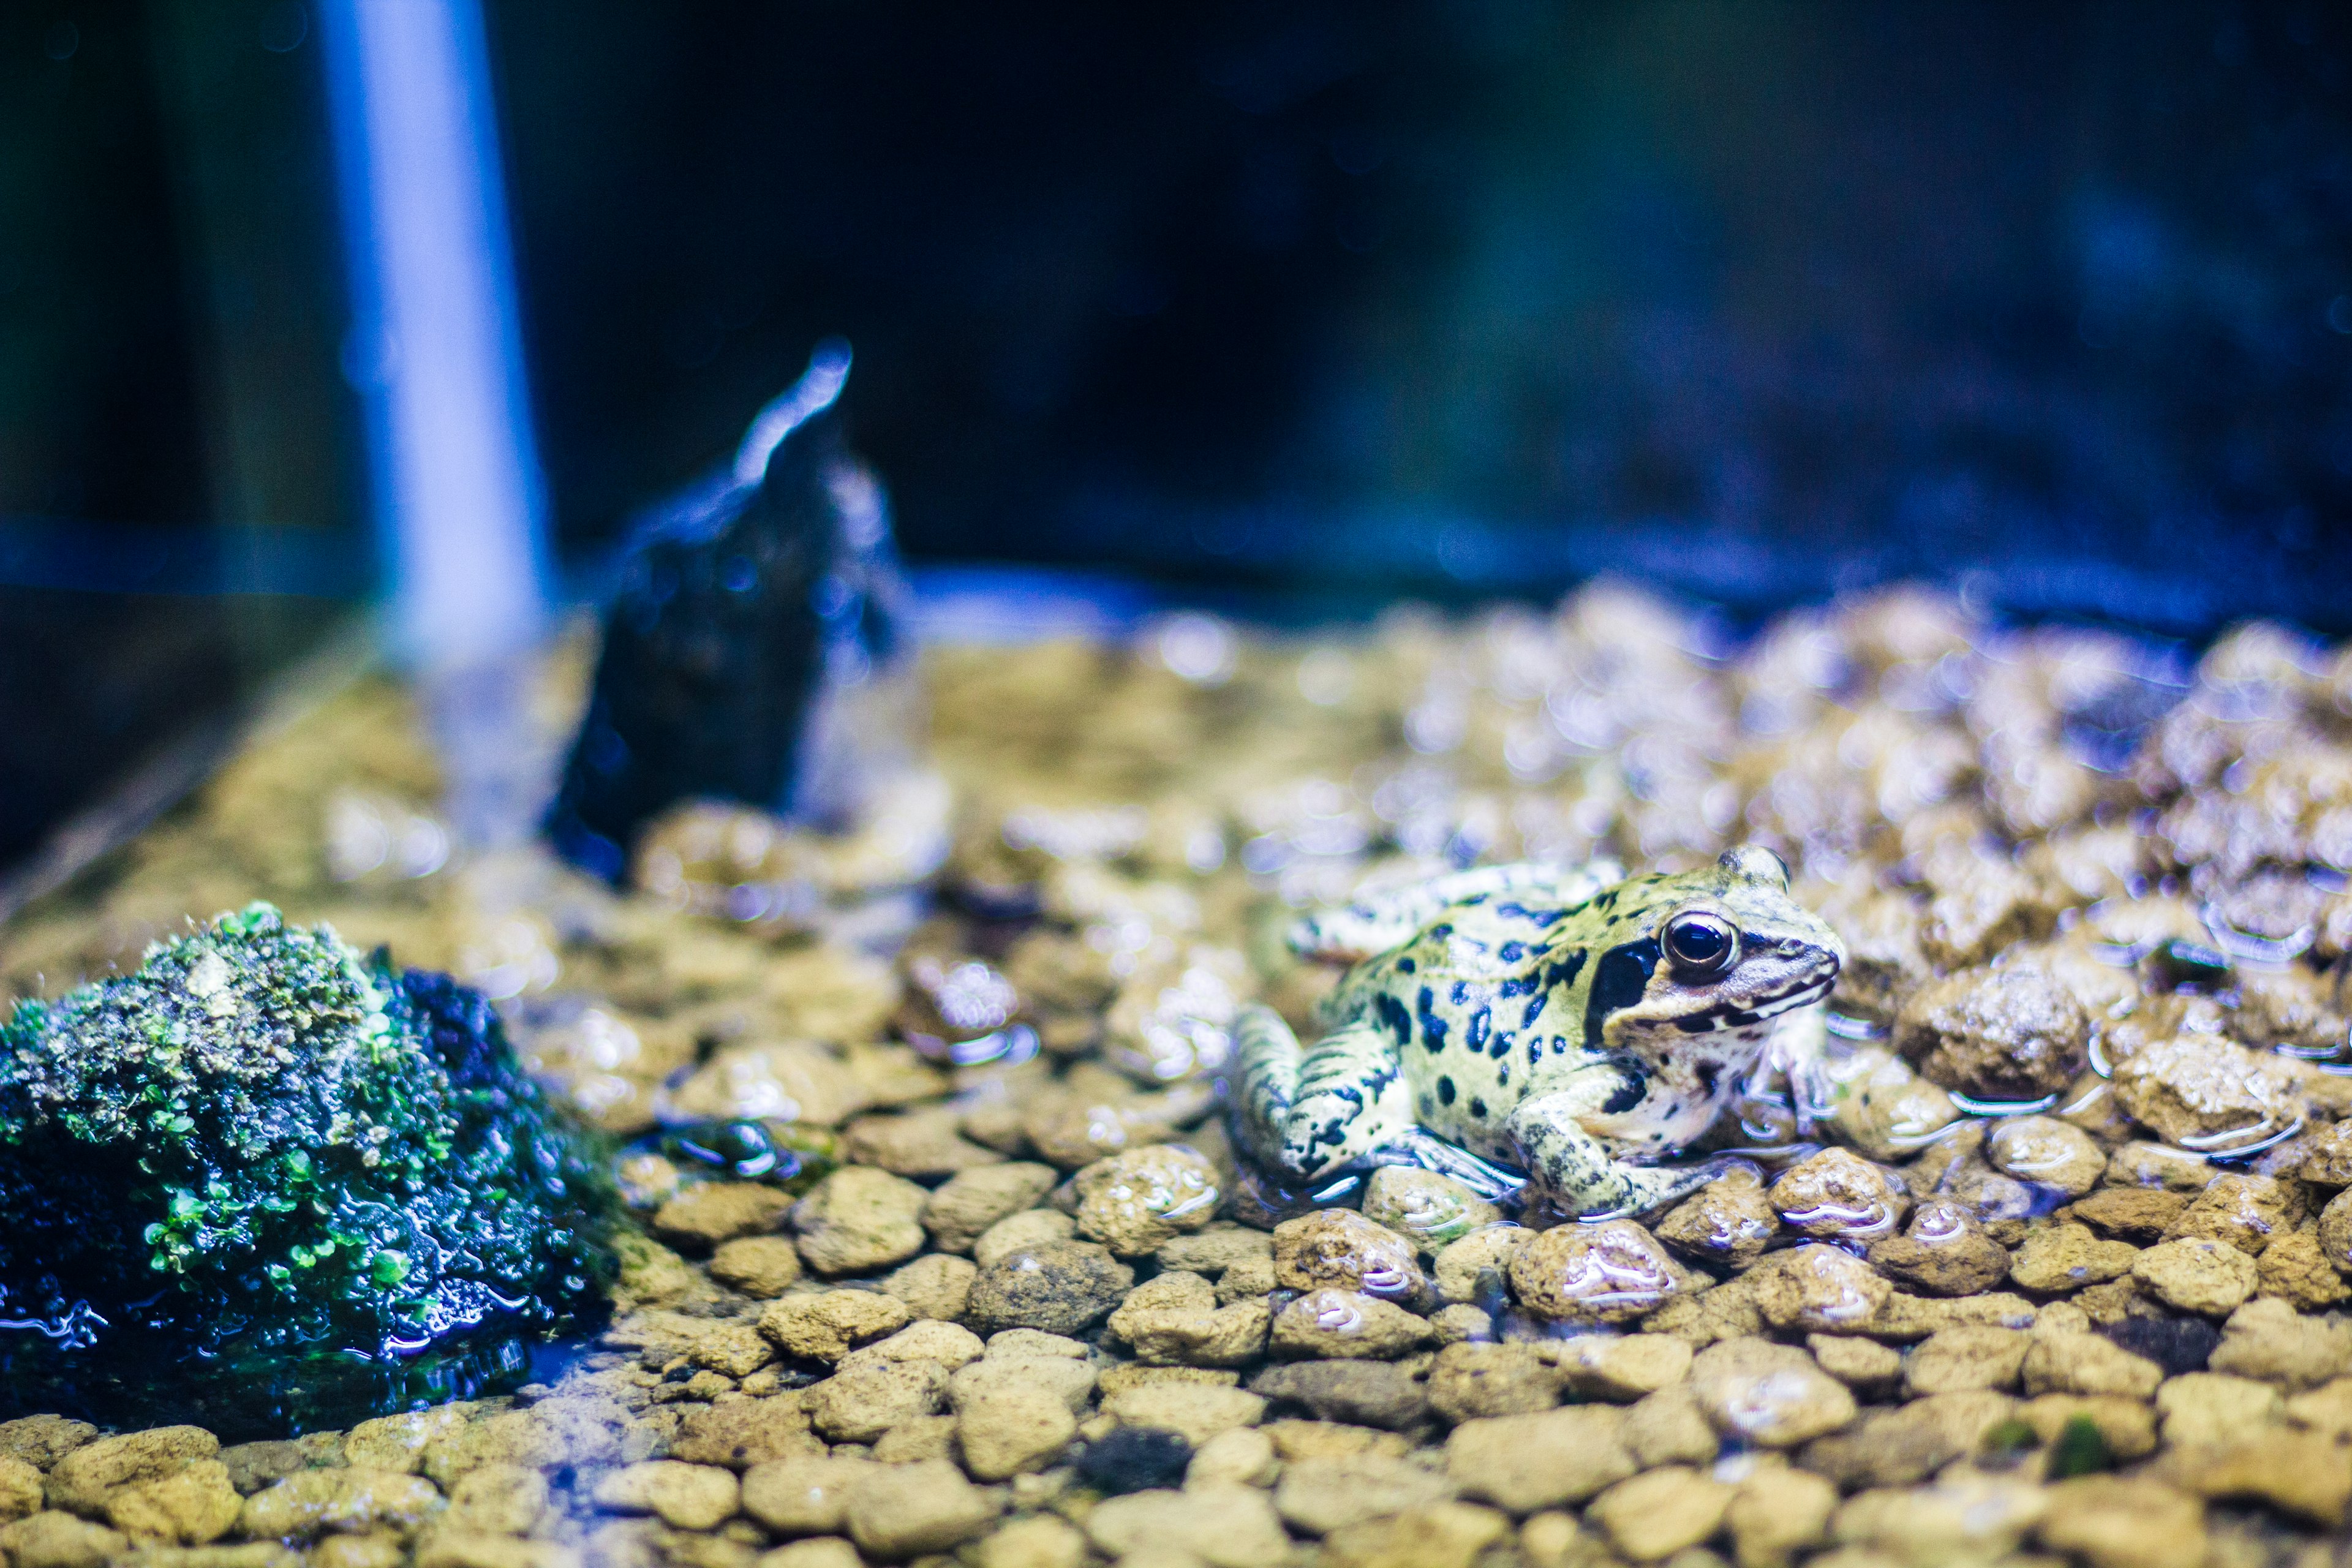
(1540, 1033)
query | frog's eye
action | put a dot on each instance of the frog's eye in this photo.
(1700, 945)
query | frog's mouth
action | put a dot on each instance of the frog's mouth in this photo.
(1802, 994)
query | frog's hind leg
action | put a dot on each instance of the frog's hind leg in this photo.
(1310, 1113)
(1389, 917)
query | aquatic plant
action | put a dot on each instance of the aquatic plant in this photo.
(263, 1183)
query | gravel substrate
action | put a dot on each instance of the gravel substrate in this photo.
(2042, 1257)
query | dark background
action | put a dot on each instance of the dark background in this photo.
(1755, 302)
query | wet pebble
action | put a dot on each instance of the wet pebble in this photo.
(823, 1327)
(1337, 1324)
(1429, 1209)
(2246, 1210)
(1943, 1251)
(1819, 1289)
(1729, 1221)
(1612, 1272)
(2197, 1274)
(859, 1219)
(1341, 1250)
(2046, 1152)
(1136, 1201)
(1995, 1034)
(963, 1207)
(1061, 1287)
(1838, 1195)
(1772, 1395)
(2061, 1258)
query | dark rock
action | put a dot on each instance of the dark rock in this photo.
(735, 599)
(1134, 1460)
(1358, 1393)
(1059, 1286)
(2175, 1344)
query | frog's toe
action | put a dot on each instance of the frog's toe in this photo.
(1419, 1147)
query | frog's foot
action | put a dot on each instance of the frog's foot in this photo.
(1417, 1146)
(1306, 1113)
(1390, 917)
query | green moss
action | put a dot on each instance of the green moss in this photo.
(265, 1183)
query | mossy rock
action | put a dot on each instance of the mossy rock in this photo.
(265, 1185)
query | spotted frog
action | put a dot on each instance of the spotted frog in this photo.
(1531, 1018)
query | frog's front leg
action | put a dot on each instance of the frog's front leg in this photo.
(1309, 1112)
(1572, 1167)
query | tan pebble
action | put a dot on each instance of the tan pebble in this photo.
(923, 1142)
(502, 1500)
(2072, 1362)
(741, 1433)
(2158, 1166)
(937, 1285)
(732, 1350)
(1243, 1455)
(1225, 1526)
(1461, 1324)
(1609, 1273)
(317, 1502)
(41, 1441)
(1660, 1512)
(1345, 1324)
(1195, 1411)
(81, 1478)
(858, 1406)
(1729, 1221)
(2295, 1268)
(1429, 1209)
(817, 1551)
(1522, 1463)
(2127, 1425)
(398, 1442)
(2199, 1087)
(2334, 1233)
(703, 1216)
(1340, 1249)
(1838, 1195)
(1905, 1319)
(1996, 1033)
(1884, 1109)
(2267, 1339)
(1030, 1228)
(949, 1344)
(802, 1496)
(2132, 1213)
(2300, 1473)
(1458, 1266)
(1135, 1202)
(685, 1497)
(1294, 1440)
(822, 1326)
(1069, 1379)
(917, 1437)
(1957, 1360)
(20, 1489)
(54, 1539)
(1214, 1248)
(1943, 1251)
(1174, 1319)
(2242, 1208)
(1441, 1535)
(1967, 1518)
(963, 1207)
(1467, 1382)
(441, 1549)
(1670, 1427)
(1025, 1342)
(194, 1505)
(1554, 1538)
(805, 1082)
(1319, 1496)
(1856, 1362)
(2214, 1408)
(1620, 1367)
(1061, 1287)
(904, 1510)
(2111, 1521)
(758, 1265)
(859, 1219)
(2057, 1258)
(1896, 1447)
(2196, 1275)
(2047, 1152)
(1039, 1541)
(1768, 1394)
(1777, 1514)
(2327, 1155)
(1003, 1432)
(1819, 1290)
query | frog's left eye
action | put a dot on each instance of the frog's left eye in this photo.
(1700, 945)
